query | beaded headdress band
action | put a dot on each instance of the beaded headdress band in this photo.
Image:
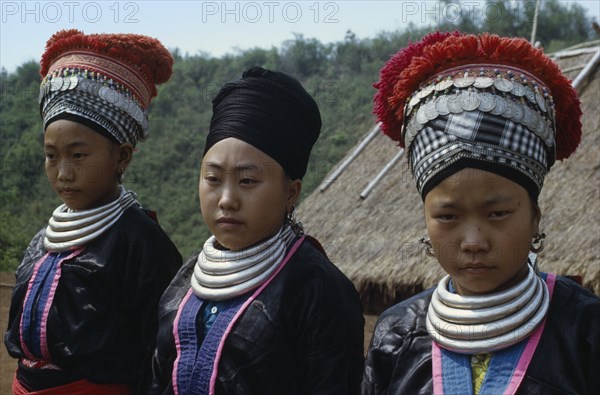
(456, 101)
(106, 80)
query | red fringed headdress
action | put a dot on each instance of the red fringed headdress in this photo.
(135, 61)
(105, 80)
(420, 62)
(495, 103)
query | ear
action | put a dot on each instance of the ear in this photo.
(125, 155)
(537, 217)
(294, 188)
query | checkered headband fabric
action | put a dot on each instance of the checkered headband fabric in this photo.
(481, 140)
(107, 116)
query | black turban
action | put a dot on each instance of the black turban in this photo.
(270, 111)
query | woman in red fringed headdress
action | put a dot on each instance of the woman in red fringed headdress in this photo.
(83, 311)
(482, 120)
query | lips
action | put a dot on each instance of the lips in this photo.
(66, 191)
(476, 268)
(228, 221)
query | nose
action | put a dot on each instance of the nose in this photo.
(228, 200)
(65, 171)
(474, 239)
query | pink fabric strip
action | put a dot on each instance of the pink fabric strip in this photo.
(36, 268)
(436, 362)
(177, 340)
(43, 330)
(532, 343)
(213, 377)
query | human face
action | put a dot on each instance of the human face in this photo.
(244, 193)
(82, 165)
(481, 225)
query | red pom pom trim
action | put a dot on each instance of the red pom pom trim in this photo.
(406, 71)
(151, 61)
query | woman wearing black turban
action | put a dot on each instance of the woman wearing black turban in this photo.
(260, 309)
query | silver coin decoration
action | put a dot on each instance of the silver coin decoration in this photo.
(508, 110)
(414, 100)
(540, 101)
(500, 106)
(443, 85)
(530, 95)
(503, 85)
(518, 90)
(454, 104)
(483, 82)
(486, 102)
(430, 112)
(464, 82)
(517, 112)
(469, 100)
(441, 105)
(421, 117)
(57, 83)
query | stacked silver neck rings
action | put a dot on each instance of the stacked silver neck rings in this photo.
(69, 229)
(223, 274)
(487, 323)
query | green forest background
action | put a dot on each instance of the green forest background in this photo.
(165, 169)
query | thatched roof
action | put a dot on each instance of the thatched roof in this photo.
(374, 240)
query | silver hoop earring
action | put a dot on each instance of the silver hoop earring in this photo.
(426, 241)
(537, 245)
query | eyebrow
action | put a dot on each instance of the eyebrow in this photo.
(238, 167)
(489, 201)
(73, 144)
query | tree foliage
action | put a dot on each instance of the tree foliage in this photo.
(165, 168)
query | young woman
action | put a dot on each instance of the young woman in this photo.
(260, 309)
(83, 311)
(482, 119)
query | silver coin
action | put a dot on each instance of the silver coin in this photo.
(421, 117)
(441, 105)
(443, 85)
(138, 115)
(94, 88)
(66, 84)
(464, 82)
(483, 82)
(508, 111)
(84, 85)
(469, 100)
(411, 132)
(541, 101)
(518, 90)
(486, 101)
(74, 81)
(528, 115)
(430, 111)
(500, 106)
(414, 100)
(57, 83)
(503, 85)
(529, 94)
(517, 112)
(104, 93)
(454, 104)
(427, 91)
